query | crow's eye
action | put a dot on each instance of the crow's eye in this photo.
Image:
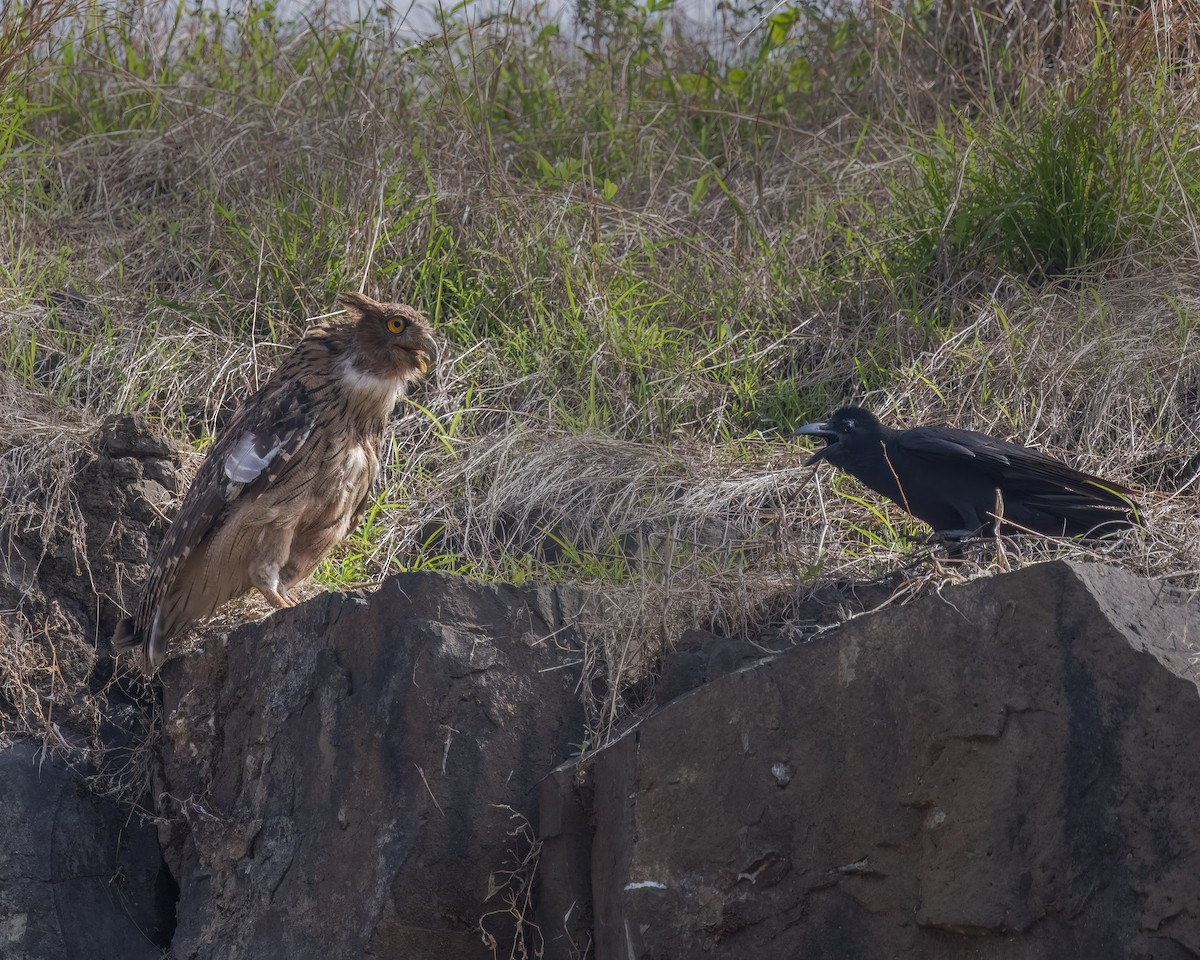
(397, 324)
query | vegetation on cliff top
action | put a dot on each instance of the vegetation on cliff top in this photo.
(650, 246)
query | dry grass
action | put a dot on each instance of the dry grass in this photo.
(23, 27)
(510, 890)
(41, 444)
(32, 688)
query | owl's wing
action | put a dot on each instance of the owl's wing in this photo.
(268, 430)
(265, 433)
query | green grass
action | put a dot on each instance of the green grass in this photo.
(1051, 188)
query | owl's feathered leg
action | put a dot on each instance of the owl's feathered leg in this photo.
(269, 559)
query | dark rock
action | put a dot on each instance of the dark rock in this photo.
(149, 502)
(80, 878)
(699, 658)
(564, 894)
(163, 472)
(125, 469)
(360, 770)
(682, 670)
(1005, 770)
(128, 435)
(73, 579)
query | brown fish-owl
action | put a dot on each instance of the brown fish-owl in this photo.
(288, 478)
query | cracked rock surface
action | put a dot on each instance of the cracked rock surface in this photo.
(79, 877)
(1006, 770)
(354, 777)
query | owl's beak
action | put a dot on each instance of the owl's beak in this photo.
(426, 354)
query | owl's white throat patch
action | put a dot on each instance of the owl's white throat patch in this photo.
(385, 390)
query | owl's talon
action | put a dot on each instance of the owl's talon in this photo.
(279, 601)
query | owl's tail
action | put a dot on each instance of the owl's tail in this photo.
(129, 640)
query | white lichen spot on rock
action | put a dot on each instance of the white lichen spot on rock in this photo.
(12, 929)
(847, 658)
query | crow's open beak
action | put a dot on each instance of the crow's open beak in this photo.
(822, 430)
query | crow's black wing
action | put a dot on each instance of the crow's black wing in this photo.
(1021, 470)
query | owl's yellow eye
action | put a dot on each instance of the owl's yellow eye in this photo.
(397, 324)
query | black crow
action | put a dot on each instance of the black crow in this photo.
(957, 480)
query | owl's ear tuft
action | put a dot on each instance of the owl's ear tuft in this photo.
(359, 305)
